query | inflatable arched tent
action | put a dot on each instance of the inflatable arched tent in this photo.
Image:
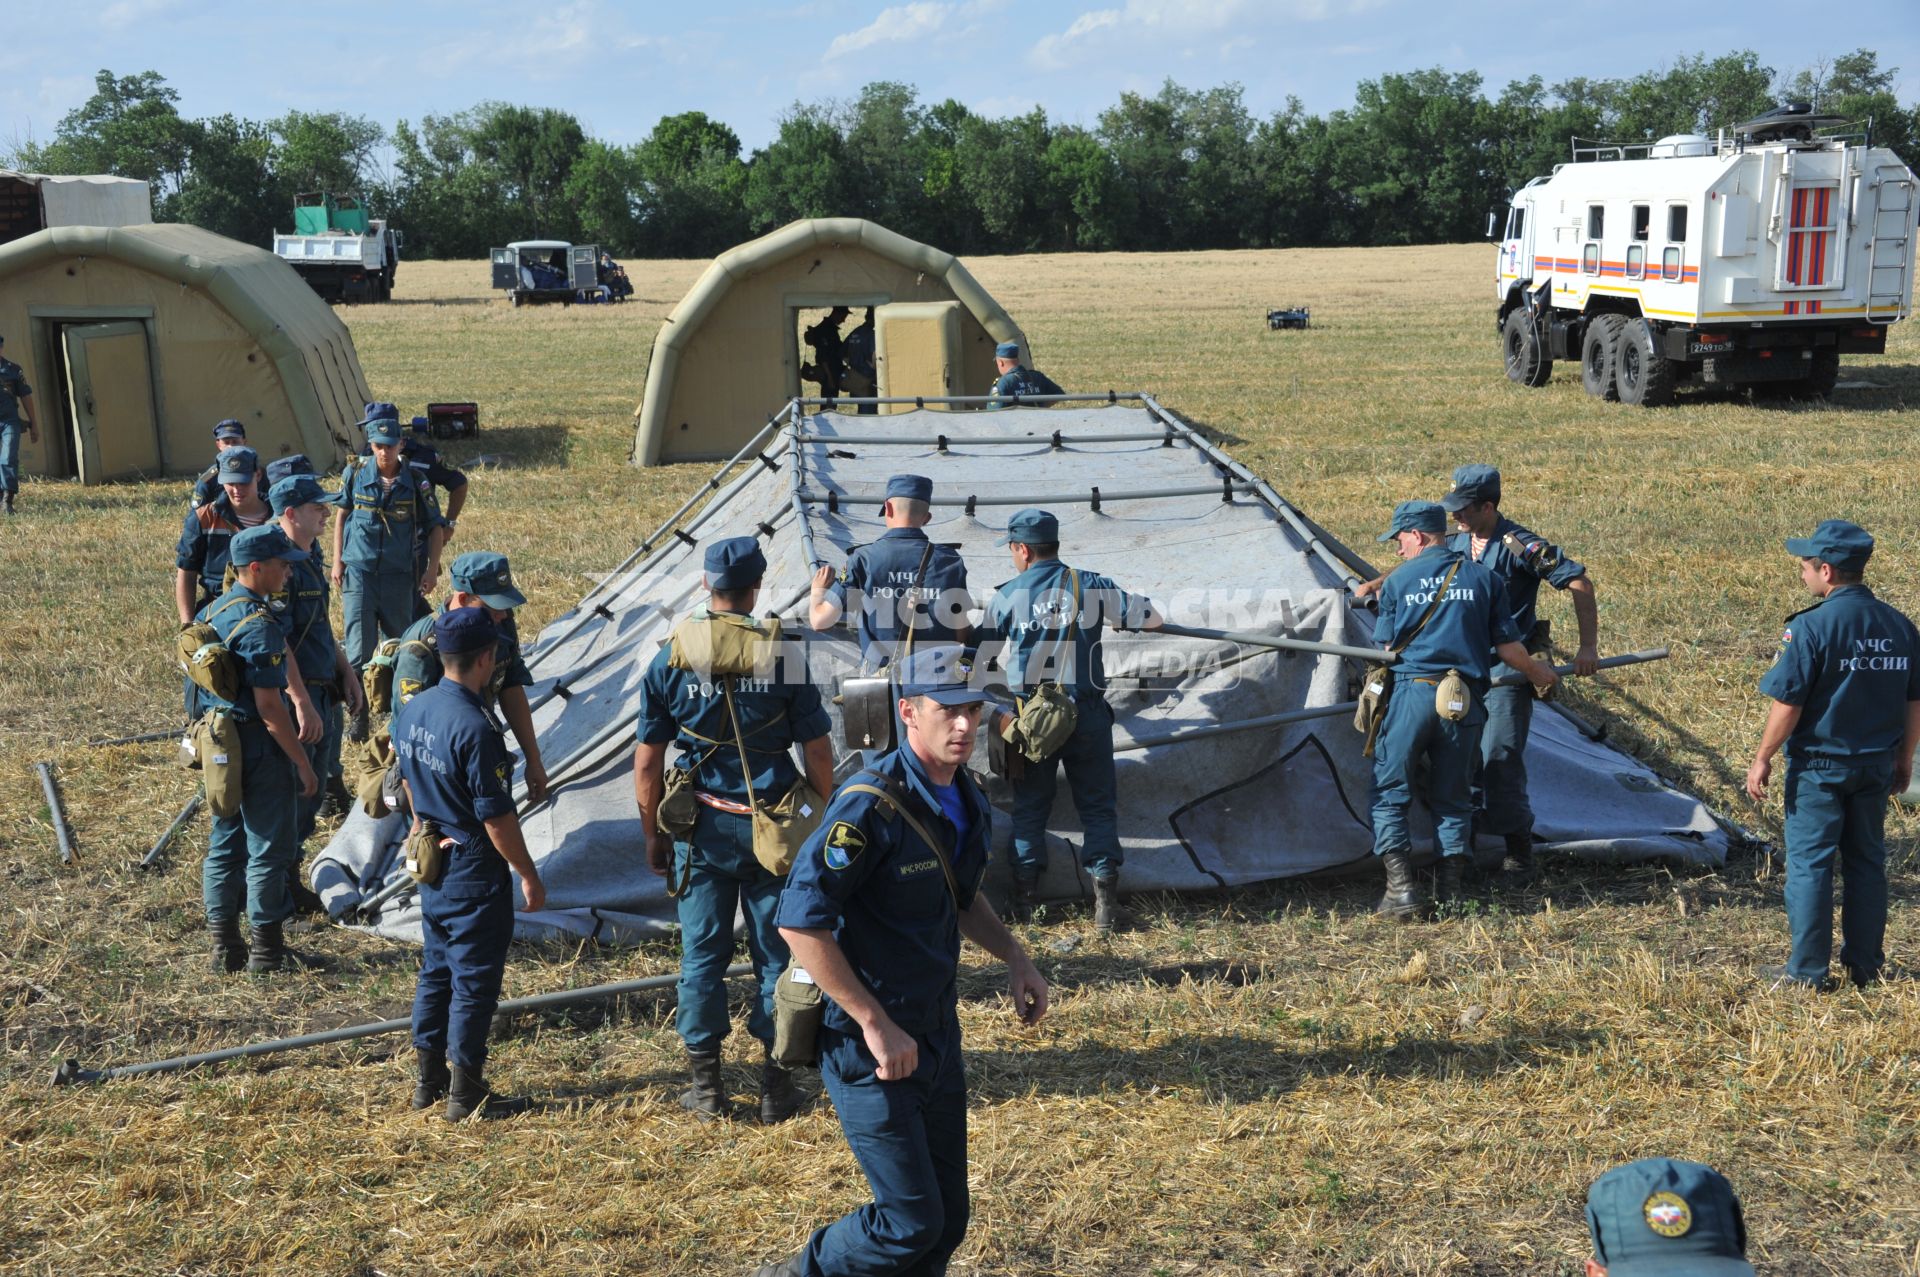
(136, 339)
(729, 355)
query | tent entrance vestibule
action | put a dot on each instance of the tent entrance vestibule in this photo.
(100, 413)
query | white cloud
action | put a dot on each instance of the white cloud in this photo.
(127, 12)
(900, 23)
(1170, 25)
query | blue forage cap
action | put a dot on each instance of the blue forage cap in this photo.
(735, 564)
(374, 411)
(297, 489)
(237, 465)
(229, 428)
(1846, 546)
(1031, 527)
(943, 672)
(258, 544)
(1659, 1217)
(464, 629)
(914, 487)
(1007, 350)
(486, 574)
(286, 467)
(1472, 483)
(384, 430)
(1416, 516)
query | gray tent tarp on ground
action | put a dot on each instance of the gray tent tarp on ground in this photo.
(1176, 519)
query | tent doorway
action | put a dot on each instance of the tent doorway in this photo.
(110, 424)
(820, 334)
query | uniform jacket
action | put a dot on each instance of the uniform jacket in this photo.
(386, 527)
(870, 880)
(1030, 614)
(454, 759)
(879, 577)
(1522, 573)
(1851, 663)
(1473, 618)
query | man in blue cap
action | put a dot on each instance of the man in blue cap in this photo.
(874, 911)
(482, 579)
(250, 855)
(905, 589)
(227, 433)
(1445, 615)
(301, 507)
(200, 557)
(16, 413)
(1660, 1217)
(1845, 692)
(419, 453)
(1522, 561)
(386, 546)
(1049, 620)
(736, 700)
(458, 779)
(1016, 380)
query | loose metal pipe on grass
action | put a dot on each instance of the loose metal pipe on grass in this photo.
(69, 1071)
(179, 822)
(140, 739)
(61, 830)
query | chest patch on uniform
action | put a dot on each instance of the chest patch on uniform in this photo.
(844, 844)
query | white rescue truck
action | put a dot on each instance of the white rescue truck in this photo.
(1753, 260)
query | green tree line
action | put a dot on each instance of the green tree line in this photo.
(1420, 157)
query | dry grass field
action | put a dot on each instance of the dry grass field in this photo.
(1267, 1083)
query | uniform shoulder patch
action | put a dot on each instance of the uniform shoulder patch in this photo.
(844, 844)
(1668, 1214)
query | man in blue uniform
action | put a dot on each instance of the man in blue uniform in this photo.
(386, 546)
(200, 557)
(1049, 619)
(1522, 561)
(874, 911)
(1845, 695)
(904, 589)
(249, 856)
(480, 579)
(1443, 614)
(454, 764)
(302, 506)
(420, 454)
(1016, 379)
(227, 433)
(861, 369)
(736, 733)
(1660, 1217)
(16, 413)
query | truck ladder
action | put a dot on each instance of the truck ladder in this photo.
(1889, 252)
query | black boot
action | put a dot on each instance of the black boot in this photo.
(1518, 862)
(434, 1079)
(229, 950)
(1107, 914)
(306, 901)
(1449, 880)
(779, 1098)
(1025, 898)
(270, 952)
(338, 801)
(1402, 898)
(704, 1099)
(468, 1094)
(359, 727)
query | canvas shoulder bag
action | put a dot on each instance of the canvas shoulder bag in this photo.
(207, 659)
(779, 828)
(1044, 719)
(211, 746)
(1371, 709)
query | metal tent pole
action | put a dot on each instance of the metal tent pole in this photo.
(798, 498)
(1057, 439)
(1345, 562)
(922, 401)
(140, 739)
(179, 822)
(70, 1071)
(1086, 496)
(627, 569)
(61, 830)
(1374, 654)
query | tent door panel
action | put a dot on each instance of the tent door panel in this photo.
(110, 400)
(917, 350)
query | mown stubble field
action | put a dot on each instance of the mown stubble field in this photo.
(1266, 1083)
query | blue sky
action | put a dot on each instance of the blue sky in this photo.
(620, 66)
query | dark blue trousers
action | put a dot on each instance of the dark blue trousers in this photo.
(1411, 734)
(1500, 781)
(249, 856)
(722, 875)
(1836, 810)
(322, 755)
(467, 920)
(1088, 759)
(910, 1138)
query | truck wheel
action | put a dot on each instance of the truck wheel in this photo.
(1600, 356)
(1645, 377)
(1527, 361)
